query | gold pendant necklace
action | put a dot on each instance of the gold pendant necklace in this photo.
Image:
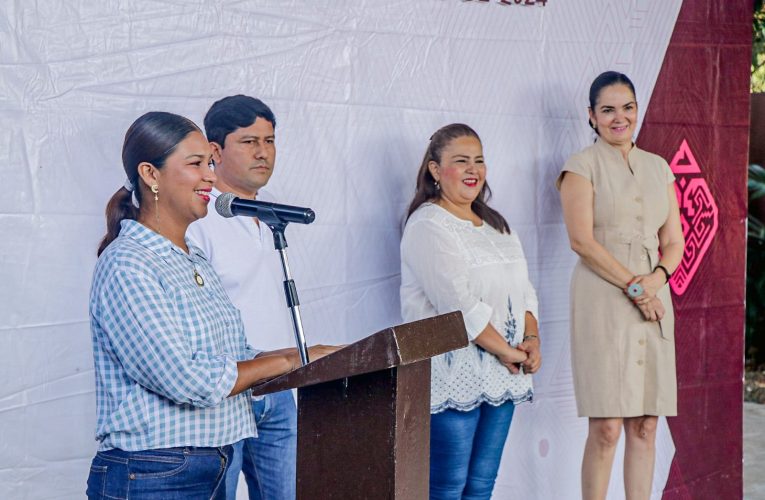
(198, 278)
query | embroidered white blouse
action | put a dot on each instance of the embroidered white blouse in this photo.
(449, 264)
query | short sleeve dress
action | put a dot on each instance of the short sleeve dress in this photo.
(623, 365)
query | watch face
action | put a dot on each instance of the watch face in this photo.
(635, 290)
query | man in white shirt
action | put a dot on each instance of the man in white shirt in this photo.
(241, 132)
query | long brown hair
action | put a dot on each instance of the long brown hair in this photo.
(151, 138)
(426, 185)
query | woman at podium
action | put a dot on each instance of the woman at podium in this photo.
(172, 366)
(457, 253)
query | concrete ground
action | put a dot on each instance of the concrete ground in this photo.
(754, 451)
(754, 454)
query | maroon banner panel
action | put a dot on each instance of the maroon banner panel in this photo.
(698, 120)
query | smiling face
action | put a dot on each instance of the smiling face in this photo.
(246, 161)
(461, 171)
(615, 115)
(184, 182)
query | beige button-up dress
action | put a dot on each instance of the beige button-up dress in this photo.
(623, 365)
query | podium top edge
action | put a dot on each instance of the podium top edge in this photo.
(388, 348)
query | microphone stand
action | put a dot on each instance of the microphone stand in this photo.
(277, 227)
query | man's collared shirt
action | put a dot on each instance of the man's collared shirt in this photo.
(243, 254)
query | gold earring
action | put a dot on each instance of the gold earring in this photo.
(155, 190)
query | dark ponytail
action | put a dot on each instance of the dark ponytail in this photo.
(120, 207)
(426, 185)
(151, 139)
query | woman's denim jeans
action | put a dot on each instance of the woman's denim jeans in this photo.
(465, 450)
(166, 474)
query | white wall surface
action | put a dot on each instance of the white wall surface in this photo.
(358, 87)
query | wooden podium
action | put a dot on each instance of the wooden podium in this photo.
(364, 413)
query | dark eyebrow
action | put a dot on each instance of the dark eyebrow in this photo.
(604, 106)
(466, 156)
(196, 156)
(247, 137)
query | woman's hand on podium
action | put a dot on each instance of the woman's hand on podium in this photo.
(319, 351)
(314, 352)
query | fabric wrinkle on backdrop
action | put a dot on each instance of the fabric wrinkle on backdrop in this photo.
(358, 86)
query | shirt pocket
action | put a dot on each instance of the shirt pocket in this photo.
(199, 316)
(226, 322)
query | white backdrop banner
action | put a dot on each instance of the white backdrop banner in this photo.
(358, 87)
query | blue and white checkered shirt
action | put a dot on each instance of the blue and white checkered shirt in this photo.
(165, 349)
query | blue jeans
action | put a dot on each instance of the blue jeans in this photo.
(465, 450)
(162, 474)
(268, 461)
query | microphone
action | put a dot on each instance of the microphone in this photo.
(228, 205)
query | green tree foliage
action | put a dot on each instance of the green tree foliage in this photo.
(755, 264)
(758, 48)
(755, 270)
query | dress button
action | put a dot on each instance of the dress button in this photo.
(639, 217)
(643, 257)
(640, 362)
(638, 199)
(641, 342)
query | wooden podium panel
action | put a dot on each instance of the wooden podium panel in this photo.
(364, 413)
(367, 436)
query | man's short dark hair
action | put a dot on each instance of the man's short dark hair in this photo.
(233, 112)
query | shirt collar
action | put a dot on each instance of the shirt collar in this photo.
(217, 192)
(245, 222)
(155, 242)
(611, 150)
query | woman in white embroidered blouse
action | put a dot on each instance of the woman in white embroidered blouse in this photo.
(457, 253)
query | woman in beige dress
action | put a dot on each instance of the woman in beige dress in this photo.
(621, 213)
